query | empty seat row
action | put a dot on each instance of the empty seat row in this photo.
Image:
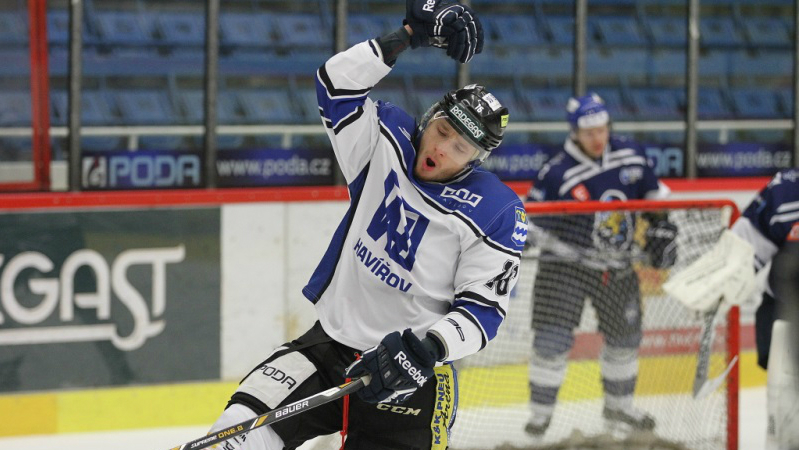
(272, 106)
(153, 28)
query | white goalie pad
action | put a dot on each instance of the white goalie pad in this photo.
(726, 271)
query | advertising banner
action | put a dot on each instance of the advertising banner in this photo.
(275, 167)
(142, 169)
(742, 159)
(102, 298)
(519, 162)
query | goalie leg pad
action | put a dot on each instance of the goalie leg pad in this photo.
(782, 390)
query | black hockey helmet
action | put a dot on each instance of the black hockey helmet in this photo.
(477, 116)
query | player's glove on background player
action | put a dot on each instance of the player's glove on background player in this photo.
(661, 244)
(399, 365)
(446, 24)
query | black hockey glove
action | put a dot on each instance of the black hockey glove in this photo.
(399, 365)
(445, 24)
(661, 244)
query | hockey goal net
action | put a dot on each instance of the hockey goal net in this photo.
(494, 385)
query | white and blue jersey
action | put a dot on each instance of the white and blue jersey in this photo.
(621, 173)
(438, 257)
(771, 218)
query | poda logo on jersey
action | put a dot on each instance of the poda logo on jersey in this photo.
(462, 195)
(469, 123)
(519, 236)
(278, 375)
(630, 175)
(500, 284)
(57, 292)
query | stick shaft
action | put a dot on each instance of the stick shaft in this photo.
(276, 415)
(705, 348)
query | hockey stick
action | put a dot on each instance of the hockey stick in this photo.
(275, 415)
(705, 348)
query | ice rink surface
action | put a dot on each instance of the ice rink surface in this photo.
(752, 433)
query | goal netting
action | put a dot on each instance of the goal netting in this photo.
(587, 253)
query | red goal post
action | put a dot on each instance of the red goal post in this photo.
(494, 391)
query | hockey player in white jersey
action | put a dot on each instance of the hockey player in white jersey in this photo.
(594, 165)
(418, 273)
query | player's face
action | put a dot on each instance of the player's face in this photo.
(593, 140)
(442, 153)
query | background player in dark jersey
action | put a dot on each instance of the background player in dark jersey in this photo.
(768, 223)
(590, 257)
(419, 272)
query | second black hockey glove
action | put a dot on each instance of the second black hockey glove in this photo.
(661, 244)
(399, 365)
(445, 24)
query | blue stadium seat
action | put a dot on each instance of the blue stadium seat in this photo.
(655, 104)
(715, 64)
(513, 30)
(427, 62)
(517, 108)
(13, 28)
(712, 105)
(124, 28)
(15, 62)
(755, 103)
(192, 107)
(58, 27)
(667, 31)
(15, 108)
(615, 103)
(145, 107)
(561, 29)
(773, 64)
(719, 31)
(397, 96)
(767, 31)
(361, 27)
(306, 100)
(617, 30)
(785, 97)
(246, 29)
(547, 104)
(264, 106)
(534, 62)
(667, 63)
(96, 108)
(184, 28)
(302, 30)
(625, 64)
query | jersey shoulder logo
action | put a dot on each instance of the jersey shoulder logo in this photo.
(519, 236)
(403, 225)
(500, 284)
(630, 175)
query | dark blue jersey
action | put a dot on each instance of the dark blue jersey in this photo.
(772, 217)
(621, 173)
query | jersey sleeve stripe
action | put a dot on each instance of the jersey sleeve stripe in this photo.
(786, 217)
(334, 92)
(471, 318)
(375, 49)
(350, 118)
(477, 298)
(790, 206)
